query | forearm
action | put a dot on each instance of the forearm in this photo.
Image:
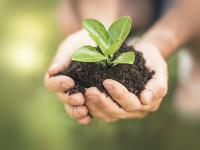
(172, 31)
(73, 11)
(103, 10)
(69, 18)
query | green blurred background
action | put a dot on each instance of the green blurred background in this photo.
(31, 118)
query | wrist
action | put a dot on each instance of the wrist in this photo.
(144, 46)
(166, 42)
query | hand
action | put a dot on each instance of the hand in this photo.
(125, 105)
(74, 104)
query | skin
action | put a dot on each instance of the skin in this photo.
(155, 45)
(95, 102)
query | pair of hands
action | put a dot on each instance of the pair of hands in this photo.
(122, 104)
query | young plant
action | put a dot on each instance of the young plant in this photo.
(108, 42)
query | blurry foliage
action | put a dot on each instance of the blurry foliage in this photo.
(32, 118)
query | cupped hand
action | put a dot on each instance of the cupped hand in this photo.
(74, 104)
(123, 104)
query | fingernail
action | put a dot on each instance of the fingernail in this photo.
(79, 111)
(148, 97)
(93, 97)
(109, 87)
(65, 85)
(53, 67)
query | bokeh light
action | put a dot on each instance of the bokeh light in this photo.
(25, 58)
(24, 47)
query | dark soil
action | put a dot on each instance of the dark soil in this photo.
(86, 75)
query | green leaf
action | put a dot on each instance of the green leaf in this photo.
(120, 29)
(125, 58)
(87, 54)
(113, 48)
(98, 33)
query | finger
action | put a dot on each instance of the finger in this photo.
(154, 89)
(65, 51)
(136, 115)
(72, 100)
(58, 83)
(77, 112)
(152, 107)
(141, 115)
(157, 87)
(85, 120)
(104, 103)
(156, 106)
(122, 96)
(93, 109)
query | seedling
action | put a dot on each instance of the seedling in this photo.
(102, 59)
(108, 42)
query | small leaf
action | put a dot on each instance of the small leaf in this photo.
(87, 54)
(113, 48)
(98, 33)
(120, 29)
(125, 58)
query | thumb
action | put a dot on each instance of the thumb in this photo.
(61, 60)
(63, 56)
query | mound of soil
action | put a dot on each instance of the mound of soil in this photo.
(86, 75)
